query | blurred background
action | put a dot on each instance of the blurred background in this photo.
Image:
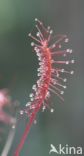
(18, 72)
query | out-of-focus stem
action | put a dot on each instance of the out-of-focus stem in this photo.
(8, 142)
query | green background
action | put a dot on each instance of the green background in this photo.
(18, 71)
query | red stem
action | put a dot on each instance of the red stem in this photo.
(27, 130)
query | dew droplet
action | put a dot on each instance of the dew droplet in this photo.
(52, 110)
(66, 40)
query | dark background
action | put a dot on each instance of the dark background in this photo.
(18, 70)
